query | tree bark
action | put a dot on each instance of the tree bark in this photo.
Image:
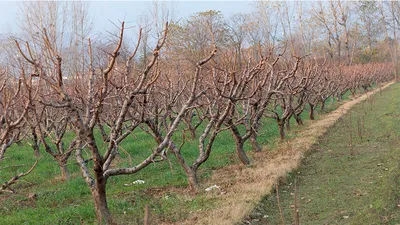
(193, 133)
(3, 148)
(254, 143)
(281, 125)
(299, 121)
(98, 187)
(103, 214)
(191, 172)
(35, 144)
(65, 175)
(36, 152)
(239, 142)
(193, 180)
(322, 106)
(288, 124)
(311, 113)
(240, 152)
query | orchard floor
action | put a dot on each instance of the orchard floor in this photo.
(350, 176)
(244, 187)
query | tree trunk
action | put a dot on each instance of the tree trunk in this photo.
(103, 214)
(311, 113)
(254, 143)
(322, 106)
(239, 141)
(193, 180)
(240, 152)
(299, 121)
(191, 172)
(64, 170)
(281, 125)
(193, 133)
(353, 93)
(3, 148)
(288, 124)
(35, 144)
(36, 152)
(339, 97)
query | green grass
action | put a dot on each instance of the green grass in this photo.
(70, 202)
(350, 176)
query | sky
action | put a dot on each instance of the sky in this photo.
(129, 11)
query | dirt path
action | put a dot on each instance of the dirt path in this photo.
(243, 187)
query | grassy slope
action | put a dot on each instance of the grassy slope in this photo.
(352, 176)
(70, 202)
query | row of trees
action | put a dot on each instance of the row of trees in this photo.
(203, 76)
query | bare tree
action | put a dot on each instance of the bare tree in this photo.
(14, 105)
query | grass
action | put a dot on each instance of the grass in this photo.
(164, 189)
(351, 176)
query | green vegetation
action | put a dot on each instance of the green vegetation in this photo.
(164, 190)
(351, 176)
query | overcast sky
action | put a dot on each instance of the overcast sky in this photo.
(103, 11)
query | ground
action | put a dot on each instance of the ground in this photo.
(351, 176)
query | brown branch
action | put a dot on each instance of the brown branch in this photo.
(7, 184)
(116, 51)
(31, 61)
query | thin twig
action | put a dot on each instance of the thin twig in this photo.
(279, 204)
(7, 184)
